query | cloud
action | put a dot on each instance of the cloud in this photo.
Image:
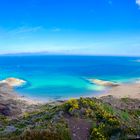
(21, 32)
(138, 2)
(56, 30)
(24, 29)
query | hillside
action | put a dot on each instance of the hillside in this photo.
(107, 118)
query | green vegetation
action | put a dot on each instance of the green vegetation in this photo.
(49, 122)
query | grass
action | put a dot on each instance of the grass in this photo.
(49, 123)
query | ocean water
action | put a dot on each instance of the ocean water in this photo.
(60, 77)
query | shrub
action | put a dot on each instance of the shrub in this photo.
(71, 105)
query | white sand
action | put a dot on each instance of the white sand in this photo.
(124, 90)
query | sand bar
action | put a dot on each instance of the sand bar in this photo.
(124, 91)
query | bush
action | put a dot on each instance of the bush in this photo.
(71, 105)
(43, 135)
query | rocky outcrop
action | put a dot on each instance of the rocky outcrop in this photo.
(9, 108)
(10, 103)
(13, 82)
(103, 83)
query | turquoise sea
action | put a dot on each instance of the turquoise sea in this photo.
(59, 76)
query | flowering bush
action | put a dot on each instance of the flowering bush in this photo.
(71, 105)
(97, 135)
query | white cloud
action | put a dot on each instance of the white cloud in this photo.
(138, 2)
(21, 32)
(56, 30)
(23, 29)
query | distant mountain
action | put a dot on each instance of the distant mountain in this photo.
(26, 53)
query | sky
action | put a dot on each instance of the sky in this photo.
(87, 27)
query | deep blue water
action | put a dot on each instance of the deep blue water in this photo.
(56, 77)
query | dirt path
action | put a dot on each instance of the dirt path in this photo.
(79, 128)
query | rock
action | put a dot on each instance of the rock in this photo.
(10, 129)
(9, 108)
(11, 104)
(13, 82)
(103, 83)
(57, 116)
(60, 114)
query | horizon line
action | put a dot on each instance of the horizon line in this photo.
(68, 54)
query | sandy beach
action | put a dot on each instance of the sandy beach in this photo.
(124, 91)
(131, 90)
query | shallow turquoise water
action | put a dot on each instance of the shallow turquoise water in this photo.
(59, 77)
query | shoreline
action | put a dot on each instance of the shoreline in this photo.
(26, 115)
(125, 90)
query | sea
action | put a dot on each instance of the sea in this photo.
(57, 77)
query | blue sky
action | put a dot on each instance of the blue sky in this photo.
(94, 27)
